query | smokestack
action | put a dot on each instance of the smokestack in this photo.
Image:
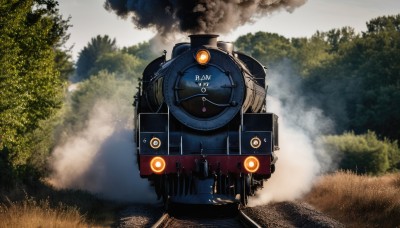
(209, 40)
(197, 16)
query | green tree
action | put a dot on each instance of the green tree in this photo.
(122, 64)
(64, 63)
(88, 56)
(272, 49)
(141, 51)
(359, 87)
(379, 51)
(310, 53)
(268, 48)
(337, 38)
(384, 23)
(30, 86)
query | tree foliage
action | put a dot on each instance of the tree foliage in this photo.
(353, 78)
(268, 48)
(363, 80)
(64, 63)
(141, 51)
(101, 54)
(97, 47)
(122, 64)
(31, 89)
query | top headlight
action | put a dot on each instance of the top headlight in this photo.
(203, 56)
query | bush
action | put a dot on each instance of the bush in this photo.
(363, 153)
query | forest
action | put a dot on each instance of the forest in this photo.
(354, 78)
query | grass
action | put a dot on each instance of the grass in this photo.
(44, 206)
(359, 201)
(30, 213)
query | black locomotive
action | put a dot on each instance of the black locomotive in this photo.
(202, 130)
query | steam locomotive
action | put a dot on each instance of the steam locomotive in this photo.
(202, 130)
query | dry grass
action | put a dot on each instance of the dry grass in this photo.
(359, 201)
(44, 206)
(30, 213)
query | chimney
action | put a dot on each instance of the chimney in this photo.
(203, 40)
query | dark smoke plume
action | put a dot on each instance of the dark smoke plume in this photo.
(197, 16)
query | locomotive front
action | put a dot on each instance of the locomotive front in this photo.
(202, 130)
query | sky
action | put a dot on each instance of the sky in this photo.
(89, 19)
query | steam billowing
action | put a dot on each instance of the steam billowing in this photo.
(197, 16)
(301, 157)
(100, 157)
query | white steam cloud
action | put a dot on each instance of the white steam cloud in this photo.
(301, 157)
(101, 158)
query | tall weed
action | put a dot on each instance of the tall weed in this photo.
(359, 200)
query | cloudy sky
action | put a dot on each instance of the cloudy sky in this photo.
(89, 18)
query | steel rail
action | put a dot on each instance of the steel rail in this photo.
(247, 221)
(162, 221)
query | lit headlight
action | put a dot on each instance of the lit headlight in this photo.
(203, 56)
(251, 164)
(157, 164)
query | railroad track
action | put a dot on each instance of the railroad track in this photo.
(282, 214)
(238, 219)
